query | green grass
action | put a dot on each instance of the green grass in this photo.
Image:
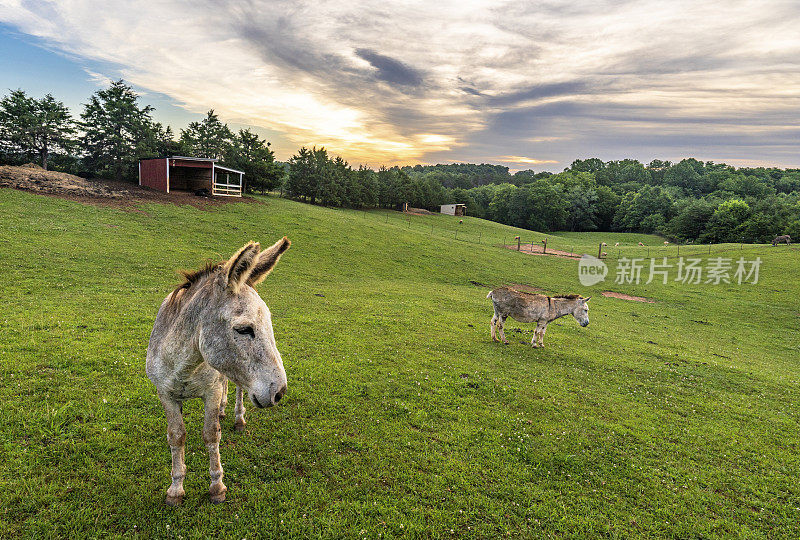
(678, 418)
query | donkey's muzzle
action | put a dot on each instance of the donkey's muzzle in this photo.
(279, 394)
(269, 400)
(584, 324)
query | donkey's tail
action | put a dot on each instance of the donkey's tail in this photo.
(490, 295)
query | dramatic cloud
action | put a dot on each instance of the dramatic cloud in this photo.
(389, 69)
(523, 84)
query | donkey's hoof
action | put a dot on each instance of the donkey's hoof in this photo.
(505, 342)
(174, 501)
(239, 426)
(218, 498)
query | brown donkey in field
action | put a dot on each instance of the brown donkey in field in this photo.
(538, 308)
(213, 328)
(785, 239)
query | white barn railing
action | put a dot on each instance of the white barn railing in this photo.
(227, 188)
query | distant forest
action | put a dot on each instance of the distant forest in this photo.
(686, 201)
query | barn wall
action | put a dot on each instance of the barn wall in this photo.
(153, 173)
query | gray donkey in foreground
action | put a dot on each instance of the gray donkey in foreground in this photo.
(538, 308)
(212, 328)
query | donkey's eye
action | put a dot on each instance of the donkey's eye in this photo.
(246, 331)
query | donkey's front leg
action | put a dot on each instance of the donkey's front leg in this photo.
(541, 335)
(224, 401)
(492, 327)
(239, 411)
(537, 335)
(212, 436)
(176, 437)
(500, 324)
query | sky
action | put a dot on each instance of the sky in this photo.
(528, 85)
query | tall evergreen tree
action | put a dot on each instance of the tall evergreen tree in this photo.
(252, 154)
(301, 182)
(208, 138)
(117, 131)
(30, 126)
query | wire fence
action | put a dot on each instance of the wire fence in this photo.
(539, 244)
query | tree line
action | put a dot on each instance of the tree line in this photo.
(114, 131)
(688, 201)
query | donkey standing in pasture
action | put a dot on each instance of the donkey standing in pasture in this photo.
(538, 308)
(785, 239)
(212, 328)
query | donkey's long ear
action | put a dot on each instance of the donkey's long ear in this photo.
(587, 299)
(239, 267)
(267, 260)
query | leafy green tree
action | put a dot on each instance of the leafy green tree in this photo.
(250, 153)
(209, 138)
(301, 180)
(690, 220)
(635, 207)
(606, 204)
(500, 208)
(117, 131)
(793, 230)
(30, 126)
(329, 177)
(547, 206)
(581, 207)
(368, 189)
(591, 165)
(724, 225)
(760, 228)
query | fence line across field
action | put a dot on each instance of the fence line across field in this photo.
(555, 246)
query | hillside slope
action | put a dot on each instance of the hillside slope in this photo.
(676, 418)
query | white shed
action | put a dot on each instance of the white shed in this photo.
(454, 209)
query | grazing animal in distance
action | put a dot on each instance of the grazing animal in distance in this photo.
(616, 245)
(666, 243)
(785, 239)
(641, 244)
(212, 328)
(539, 308)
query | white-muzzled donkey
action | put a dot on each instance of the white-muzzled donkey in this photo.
(212, 328)
(539, 308)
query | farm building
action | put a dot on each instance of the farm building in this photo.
(190, 174)
(454, 209)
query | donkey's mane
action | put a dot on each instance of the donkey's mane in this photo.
(568, 296)
(190, 277)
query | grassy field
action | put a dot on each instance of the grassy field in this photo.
(672, 419)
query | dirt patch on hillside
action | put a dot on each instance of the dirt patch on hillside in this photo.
(539, 250)
(419, 211)
(525, 288)
(123, 195)
(516, 286)
(621, 296)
